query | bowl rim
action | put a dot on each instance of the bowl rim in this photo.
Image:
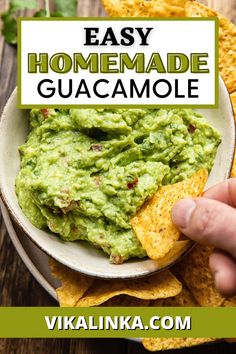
(17, 219)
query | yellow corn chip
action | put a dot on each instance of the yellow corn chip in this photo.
(178, 249)
(233, 100)
(73, 284)
(154, 344)
(115, 8)
(142, 8)
(195, 272)
(179, 3)
(230, 302)
(184, 299)
(195, 9)
(227, 42)
(156, 286)
(125, 301)
(160, 9)
(153, 224)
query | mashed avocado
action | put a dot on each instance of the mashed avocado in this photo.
(85, 172)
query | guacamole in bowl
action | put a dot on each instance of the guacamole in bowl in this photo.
(85, 172)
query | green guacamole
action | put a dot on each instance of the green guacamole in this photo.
(85, 172)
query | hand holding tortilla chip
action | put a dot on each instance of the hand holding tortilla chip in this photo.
(212, 221)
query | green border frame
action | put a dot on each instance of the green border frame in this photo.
(19, 55)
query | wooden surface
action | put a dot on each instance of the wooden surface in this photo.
(18, 287)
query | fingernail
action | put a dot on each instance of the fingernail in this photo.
(182, 212)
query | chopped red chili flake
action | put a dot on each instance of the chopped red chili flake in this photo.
(45, 112)
(191, 129)
(133, 184)
(96, 147)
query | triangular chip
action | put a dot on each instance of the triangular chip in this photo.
(227, 42)
(125, 301)
(194, 271)
(195, 9)
(230, 302)
(116, 8)
(233, 100)
(179, 248)
(168, 8)
(153, 224)
(73, 284)
(140, 8)
(154, 344)
(156, 286)
(184, 299)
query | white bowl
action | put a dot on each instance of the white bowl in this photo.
(79, 255)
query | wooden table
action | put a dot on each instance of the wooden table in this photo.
(18, 287)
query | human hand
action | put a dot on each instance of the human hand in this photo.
(211, 220)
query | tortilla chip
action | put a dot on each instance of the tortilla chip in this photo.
(140, 8)
(115, 8)
(154, 344)
(73, 284)
(156, 286)
(184, 299)
(153, 224)
(227, 42)
(178, 249)
(161, 9)
(233, 100)
(230, 302)
(125, 301)
(195, 9)
(195, 272)
(179, 3)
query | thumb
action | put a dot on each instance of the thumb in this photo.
(208, 222)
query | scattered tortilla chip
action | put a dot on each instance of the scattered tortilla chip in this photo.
(195, 9)
(161, 9)
(153, 224)
(230, 302)
(195, 272)
(154, 344)
(142, 8)
(227, 42)
(233, 100)
(115, 8)
(156, 286)
(179, 3)
(73, 284)
(184, 299)
(125, 301)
